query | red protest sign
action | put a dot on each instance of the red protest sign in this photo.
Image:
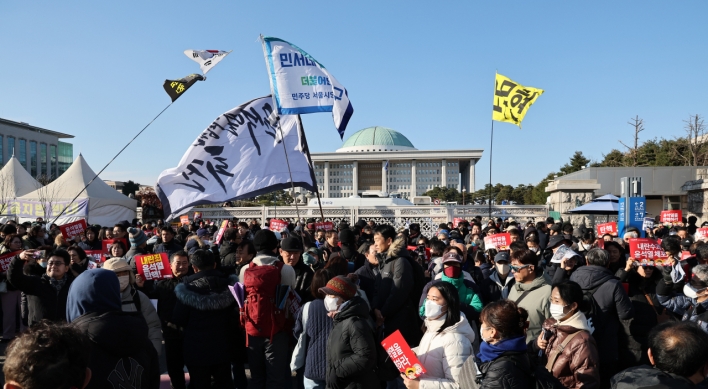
(107, 245)
(197, 215)
(277, 225)
(327, 226)
(685, 255)
(607, 228)
(645, 248)
(184, 219)
(220, 235)
(500, 242)
(70, 230)
(701, 234)
(153, 266)
(414, 249)
(671, 216)
(5, 260)
(600, 243)
(402, 356)
(456, 221)
(96, 256)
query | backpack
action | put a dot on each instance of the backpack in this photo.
(542, 377)
(594, 312)
(260, 316)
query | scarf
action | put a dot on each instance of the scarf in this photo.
(489, 352)
(57, 284)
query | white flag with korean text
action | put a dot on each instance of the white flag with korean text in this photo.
(302, 85)
(206, 59)
(238, 156)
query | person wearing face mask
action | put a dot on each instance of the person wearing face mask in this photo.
(502, 361)
(351, 348)
(500, 281)
(563, 261)
(469, 299)
(568, 349)
(692, 304)
(135, 300)
(447, 342)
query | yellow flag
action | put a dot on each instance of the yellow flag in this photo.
(512, 101)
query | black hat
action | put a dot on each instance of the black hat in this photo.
(291, 244)
(556, 240)
(502, 256)
(686, 243)
(346, 236)
(265, 240)
(414, 227)
(454, 234)
(556, 227)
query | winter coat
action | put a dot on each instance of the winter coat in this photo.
(91, 245)
(369, 276)
(287, 273)
(170, 247)
(443, 354)
(43, 300)
(536, 303)
(164, 292)
(512, 370)
(351, 348)
(227, 253)
(470, 311)
(128, 297)
(303, 279)
(614, 304)
(120, 350)
(492, 289)
(578, 364)
(650, 377)
(205, 310)
(686, 307)
(394, 293)
(319, 326)
(486, 269)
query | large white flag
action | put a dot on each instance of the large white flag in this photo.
(206, 59)
(238, 156)
(301, 85)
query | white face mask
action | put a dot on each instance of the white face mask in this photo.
(433, 311)
(331, 304)
(689, 292)
(503, 268)
(557, 311)
(124, 281)
(534, 249)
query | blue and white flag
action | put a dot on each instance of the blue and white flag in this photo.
(302, 85)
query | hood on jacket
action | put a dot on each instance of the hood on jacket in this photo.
(399, 248)
(577, 322)
(591, 276)
(227, 248)
(117, 333)
(536, 283)
(462, 327)
(94, 291)
(206, 291)
(356, 307)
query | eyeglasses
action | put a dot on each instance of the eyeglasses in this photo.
(517, 269)
(55, 263)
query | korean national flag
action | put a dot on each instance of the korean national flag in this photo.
(302, 85)
(206, 59)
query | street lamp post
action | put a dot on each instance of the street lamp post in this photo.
(463, 195)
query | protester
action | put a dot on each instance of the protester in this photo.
(79, 260)
(530, 291)
(502, 361)
(138, 246)
(290, 251)
(46, 294)
(117, 249)
(448, 339)
(11, 298)
(48, 356)
(679, 354)
(229, 246)
(244, 255)
(369, 274)
(205, 311)
(500, 281)
(121, 353)
(693, 303)
(569, 350)
(133, 300)
(168, 245)
(351, 348)
(92, 241)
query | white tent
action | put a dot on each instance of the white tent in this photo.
(106, 206)
(15, 181)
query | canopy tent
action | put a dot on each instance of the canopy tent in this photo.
(106, 206)
(15, 181)
(605, 205)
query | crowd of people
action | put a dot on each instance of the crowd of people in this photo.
(306, 308)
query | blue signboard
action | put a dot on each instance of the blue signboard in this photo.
(631, 213)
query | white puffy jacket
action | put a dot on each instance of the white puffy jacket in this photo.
(443, 354)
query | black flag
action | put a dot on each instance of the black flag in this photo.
(175, 88)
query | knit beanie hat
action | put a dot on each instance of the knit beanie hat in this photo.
(340, 286)
(265, 240)
(137, 237)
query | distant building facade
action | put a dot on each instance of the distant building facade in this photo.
(39, 150)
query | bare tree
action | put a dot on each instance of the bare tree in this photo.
(638, 125)
(47, 194)
(696, 136)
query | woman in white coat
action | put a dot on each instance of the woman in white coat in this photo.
(447, 342)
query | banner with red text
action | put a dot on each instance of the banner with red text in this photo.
(645, 248)
(5, 260)
(607, 228)
(402, 356)
(673, 217)
(70, 230)
(153, 266)
(500, 242)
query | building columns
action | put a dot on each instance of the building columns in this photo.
(326, 180)
(414, 184)
(355, 178)
(470, 184)
(443, 172)
(384, 177)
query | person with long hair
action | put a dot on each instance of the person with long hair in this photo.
(502, 361)
(447, 342)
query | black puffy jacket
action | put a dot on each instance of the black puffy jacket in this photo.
(227, 253)
(649, 377)
(351, 349)
(512, 370)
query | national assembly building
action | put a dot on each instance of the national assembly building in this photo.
(379, 159)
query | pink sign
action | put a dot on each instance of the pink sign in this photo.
(500, 242)
(70, 230)
(607, 228)
(673, 217)
(277, 225)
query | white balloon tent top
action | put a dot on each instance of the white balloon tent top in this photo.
(15, 181)
(106, 205)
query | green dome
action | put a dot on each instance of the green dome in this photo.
(378, 136)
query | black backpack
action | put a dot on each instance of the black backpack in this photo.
(542, 377)
(594, 312)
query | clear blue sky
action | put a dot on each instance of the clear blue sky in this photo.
(95, 70)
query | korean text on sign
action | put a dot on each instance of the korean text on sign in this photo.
(402, 356)
(607, 228)
(70, 230)
(497, 241)
(671, 216)
(153, 266)
(277, 225)
(645, 248)
(326, 226)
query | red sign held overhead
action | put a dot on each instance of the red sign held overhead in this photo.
(96, 256)
(197, 215)
(184, 219)
(277, 225)
(645, 248)
(70, 230)
(5, 260)
(327, 226)
(220, 235)
(153, 266)
(456, 221)
(607, 228)
(701, 234)
(500, 242)
(402, 356)
(673, 217)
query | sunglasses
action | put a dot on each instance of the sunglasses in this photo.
(518, 268)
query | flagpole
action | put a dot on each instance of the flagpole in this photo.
(292, 183)
(111, 161)
(491, 147)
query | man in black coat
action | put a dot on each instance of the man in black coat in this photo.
(205, 311)
(168, 245)
(228, 249)
(369, 274)
(46, 294)
(291, 252)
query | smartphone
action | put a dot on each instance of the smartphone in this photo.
(39, 254)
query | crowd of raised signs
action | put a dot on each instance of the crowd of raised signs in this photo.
(483, 303)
